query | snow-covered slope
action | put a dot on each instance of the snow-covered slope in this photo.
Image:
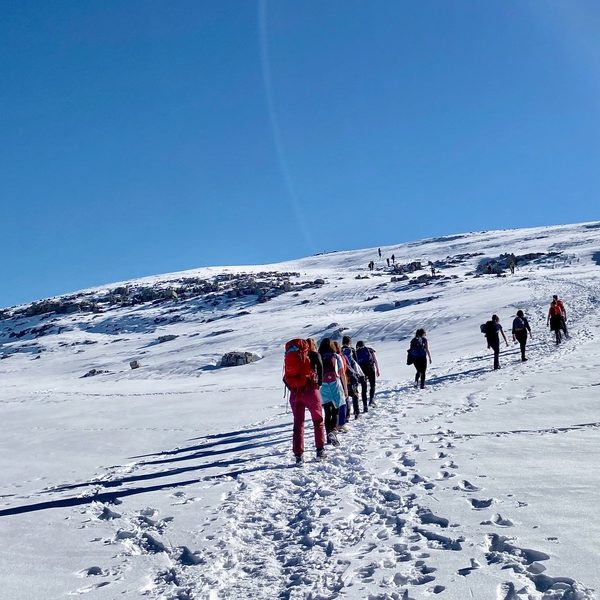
(175, 480)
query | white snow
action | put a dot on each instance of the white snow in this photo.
(176, 480)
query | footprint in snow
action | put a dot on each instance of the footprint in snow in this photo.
(480, 504)
(467, 486)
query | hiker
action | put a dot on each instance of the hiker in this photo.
(432, 270)
(355, 375)
(492, 329)
(344, 409)
(489, 268)
(333, 392)
(379, 250)
(303, 374)
(418, 354)
(511, 266)
(563, 312)
(393, 259)
(556, 318)
(520, 329)
(388, 261)
(368, 363)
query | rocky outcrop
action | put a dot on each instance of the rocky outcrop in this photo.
(237, 358)
(93, 373)
(410, 267)
(166, 338)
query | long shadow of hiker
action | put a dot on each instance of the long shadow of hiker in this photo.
(227, 444)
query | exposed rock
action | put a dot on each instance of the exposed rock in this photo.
(407, 267)
(135, 364)
(93, 372)
(319, 282)
(234, 359)
(166, 338)
(220, 332)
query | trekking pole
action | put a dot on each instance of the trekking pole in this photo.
(287, 406)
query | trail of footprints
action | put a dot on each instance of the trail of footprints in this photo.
(330, 529)
(336, 527)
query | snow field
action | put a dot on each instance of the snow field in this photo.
(176, 480)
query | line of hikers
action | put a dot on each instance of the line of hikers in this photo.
(326, 382)
(521, 330)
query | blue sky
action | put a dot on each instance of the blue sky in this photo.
(141, 137)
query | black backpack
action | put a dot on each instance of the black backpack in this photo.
(490, 329)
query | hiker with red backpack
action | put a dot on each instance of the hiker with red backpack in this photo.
(367, 361)
(333, 389)
(303, 375)
(557, 318)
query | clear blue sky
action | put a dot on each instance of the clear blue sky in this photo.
(142, 137)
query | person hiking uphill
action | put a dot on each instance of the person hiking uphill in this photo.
(303, 374)
(418, 354)
(344, 409)
(333, 391)
(492, 331)
(355, 375)
(368, 363)
(520, 330)
(557, 318)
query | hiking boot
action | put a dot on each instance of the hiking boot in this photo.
(299, 459)
(373, 404)
(343, 429)
(333, 439)
(321, 455)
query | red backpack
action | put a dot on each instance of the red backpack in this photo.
(297, 372)
(555, 309)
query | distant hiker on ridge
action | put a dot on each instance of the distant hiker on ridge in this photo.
(393, 259)
(511, 266)
(418, 354)
(520, 329)
(379, 250)
(388, 261)
(492, 329)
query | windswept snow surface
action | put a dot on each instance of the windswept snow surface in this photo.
(176, 480)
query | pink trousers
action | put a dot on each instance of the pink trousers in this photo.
(299, 401)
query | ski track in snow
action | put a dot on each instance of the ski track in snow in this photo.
(365, 523)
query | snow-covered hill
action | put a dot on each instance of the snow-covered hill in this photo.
(176, 479)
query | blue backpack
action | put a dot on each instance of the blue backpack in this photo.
(364, 356)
